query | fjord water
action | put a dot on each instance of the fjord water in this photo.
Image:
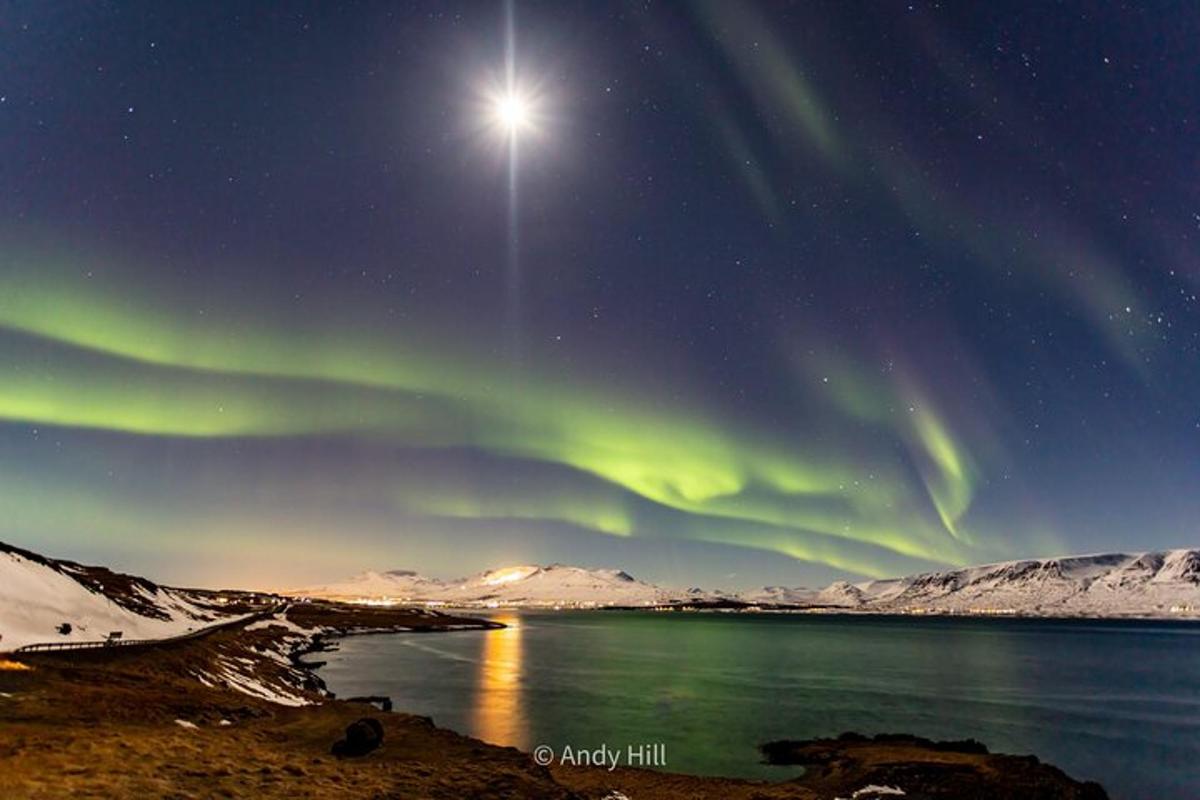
(1113, 701)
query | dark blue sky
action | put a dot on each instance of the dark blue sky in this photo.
(781, 291)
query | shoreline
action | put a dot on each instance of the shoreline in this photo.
(734, 608)
(192, 719)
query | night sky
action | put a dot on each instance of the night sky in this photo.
(749, 294)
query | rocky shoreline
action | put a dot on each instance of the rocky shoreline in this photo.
(242, 714)
(926, 768)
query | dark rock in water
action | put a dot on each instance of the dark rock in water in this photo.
(925, 769)
(361, 738)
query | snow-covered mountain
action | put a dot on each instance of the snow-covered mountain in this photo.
(527, 585)
(45, 600)
(1160, 584)
(780, 596)
(1164, 584)
(400, 584)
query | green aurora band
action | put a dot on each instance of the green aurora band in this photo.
(84, 358)
(1065, 260)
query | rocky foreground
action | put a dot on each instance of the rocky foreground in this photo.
(236, 714)
(926, 769)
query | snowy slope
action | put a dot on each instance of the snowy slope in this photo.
(1162, 584)
(38, 594)
(527, 585)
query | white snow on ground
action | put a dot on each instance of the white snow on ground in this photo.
(278, 621)
(873, 792)
(241, 677)
(244, 674)
(35, 599)
(248, 684)
(183, 723)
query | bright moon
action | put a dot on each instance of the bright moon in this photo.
(512, 113)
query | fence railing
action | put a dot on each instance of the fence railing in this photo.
(43, 646)
(104, 644)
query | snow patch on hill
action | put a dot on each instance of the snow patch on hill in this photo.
(39, 597)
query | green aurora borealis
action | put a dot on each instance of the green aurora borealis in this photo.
(773, 293)
(122, 365)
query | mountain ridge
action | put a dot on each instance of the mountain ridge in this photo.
(1146, 584)
(553, 585)
(38, 594)
(1153, 583)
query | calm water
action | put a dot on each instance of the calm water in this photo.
(1117, 702)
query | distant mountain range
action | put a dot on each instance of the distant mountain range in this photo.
(1157, 584)
(529, 585)
(48, 600)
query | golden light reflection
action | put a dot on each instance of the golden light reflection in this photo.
(499, 715)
